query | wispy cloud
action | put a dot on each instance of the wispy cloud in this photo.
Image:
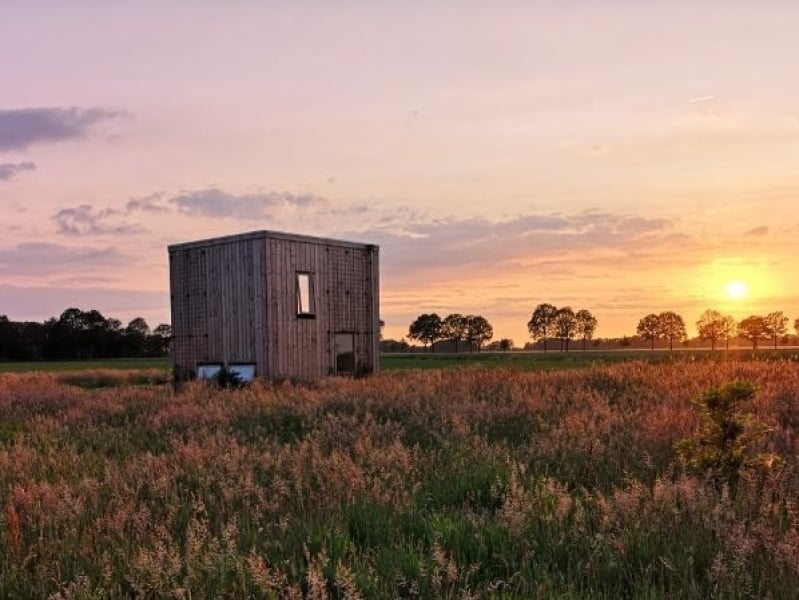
(217, 203)
(21, 128)
(477, 240)
(9, 170)
(38, 258)
(150, 204)
(87, 220)
(757, 231)
(699, 99)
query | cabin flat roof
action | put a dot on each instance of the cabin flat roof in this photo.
(266, 234)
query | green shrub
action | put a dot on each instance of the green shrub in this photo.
(723, 444)
(227, 379)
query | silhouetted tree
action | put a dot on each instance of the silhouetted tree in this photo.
(68, 336)
(7, 335)
(478, 331)
(729, 329)
(753, 328)
(136, 334)
(426, 329)
(506, 344)
(776, 325)
(565, 325)
(540, 323)
(711, 326)
(160, 341)
(671, 327)
(586, 325)
(454, 328)
(394, 346)
(649, 328)
(79, 334)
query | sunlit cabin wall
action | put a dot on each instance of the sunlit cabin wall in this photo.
(234, 300)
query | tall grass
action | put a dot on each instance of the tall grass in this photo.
(441, 484)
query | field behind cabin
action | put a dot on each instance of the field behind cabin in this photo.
(524, 360)
(460, 483)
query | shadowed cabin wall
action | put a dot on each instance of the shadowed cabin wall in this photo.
(234, 300)
(218, 304)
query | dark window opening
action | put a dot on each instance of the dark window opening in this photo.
(344, 351)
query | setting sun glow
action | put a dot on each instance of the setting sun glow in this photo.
(736, 289)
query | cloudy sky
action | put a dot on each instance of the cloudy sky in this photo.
(619, 156)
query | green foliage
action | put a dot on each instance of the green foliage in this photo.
(586, 324)
(667, 325)
(478, 331)
(118, 364)
(427, 328)
(753, 328)
(713, 325)
(105, 378)
(227, 379)
(542, 321)
(723, 444)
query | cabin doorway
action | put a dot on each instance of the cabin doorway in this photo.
(344, 352)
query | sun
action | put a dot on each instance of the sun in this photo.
(736, 289)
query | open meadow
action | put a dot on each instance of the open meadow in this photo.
(525, 360)
(453, 483)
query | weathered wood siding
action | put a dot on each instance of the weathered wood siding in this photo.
(234, 299)
(218, 305)
(352, 301)
(189, 316)
(345, 293)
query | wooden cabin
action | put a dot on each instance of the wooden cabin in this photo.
(274, 305)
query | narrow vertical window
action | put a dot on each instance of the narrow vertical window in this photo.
(305, 303)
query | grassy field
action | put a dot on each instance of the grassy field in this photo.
(527, 361)
(81, 365)
(450, 483)
(530, 361)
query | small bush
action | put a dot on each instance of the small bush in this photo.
(227, 379)
(722, 446)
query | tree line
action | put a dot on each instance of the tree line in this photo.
(79, 334)
(715, 326)
(564, 324)
(471, 331)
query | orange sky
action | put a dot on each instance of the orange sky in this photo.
(612, 156)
